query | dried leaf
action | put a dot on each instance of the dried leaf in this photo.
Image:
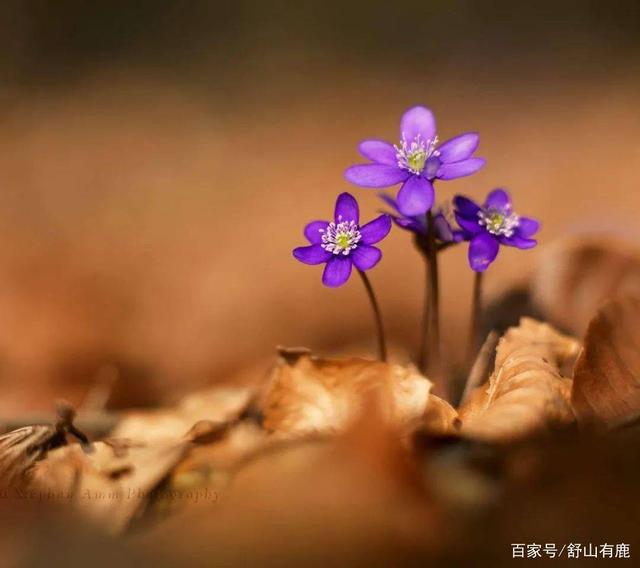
(218, 406)
(110, 484)
(21, 448)
(211, 466)
(526, 391)
(440, 417)
(325, 498)
(576, 276)
(606, 382)
(313, 395)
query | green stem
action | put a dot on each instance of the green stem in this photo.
(377, 316)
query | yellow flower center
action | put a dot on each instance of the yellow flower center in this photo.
(416, 160)
(342, 241)
(498, 222)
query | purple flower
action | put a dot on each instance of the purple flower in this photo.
(417, 224)
(492, 225)
(416, 161)
(343, 242)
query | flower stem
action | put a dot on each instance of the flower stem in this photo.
(423, 348)
(476, 313)
(429, 357)
(377, 316)
(434, 334)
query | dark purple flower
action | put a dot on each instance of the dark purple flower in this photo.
(492, 225)
(445, 233)
(416, 161)
(343, 242)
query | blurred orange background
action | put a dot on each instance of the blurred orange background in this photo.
(159, 159)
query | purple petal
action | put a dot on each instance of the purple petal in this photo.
(459, 148)
(417, 121)
(460, 169)
(498, 199)
(378, 151)
(442, 228)
(375, 175)
(431, 168)
(458, 236)
(313, 231)
(483, 250)
(466, 207)
(366, 257)
(410, 224)
(346, 208)
(527, 227)
(415, 196)
(313, 254)
(376, 230)
(337, 271)
(407, 223)
(470, 226)
(518, 242)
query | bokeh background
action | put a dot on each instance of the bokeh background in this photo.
(159, 158)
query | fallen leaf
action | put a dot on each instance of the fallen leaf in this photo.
(526, 391)
(22, 448)
(219, 406)
(440, 417)
(340, 500)
(209, 468)
(313, 395)
(575, 276)
(110, 483)
(606, 382)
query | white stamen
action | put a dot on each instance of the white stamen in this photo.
(414, 155)
(499, 222)
(341, 237)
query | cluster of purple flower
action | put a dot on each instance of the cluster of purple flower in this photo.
(416, 162)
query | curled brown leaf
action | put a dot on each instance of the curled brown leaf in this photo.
(575, 276)
(313, 395)
(22, 448)
(526, 391)
(440, 417)
(606, 382)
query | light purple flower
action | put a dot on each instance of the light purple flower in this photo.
(341, 243)
(416, 161)
(492, 225)
(445, 233)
